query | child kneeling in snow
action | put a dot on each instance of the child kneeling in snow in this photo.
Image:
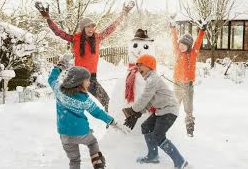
(158, 95)
(72, 124)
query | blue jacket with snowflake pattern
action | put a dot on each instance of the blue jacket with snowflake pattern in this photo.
(71, 119)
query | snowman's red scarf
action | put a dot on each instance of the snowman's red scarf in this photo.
(129, 90)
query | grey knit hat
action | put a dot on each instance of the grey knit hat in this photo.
(75, 76)
(187, 40)
(86, 22)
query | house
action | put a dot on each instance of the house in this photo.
(232, 38)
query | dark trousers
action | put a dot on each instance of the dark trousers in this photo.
(154, 129)
(97, 90)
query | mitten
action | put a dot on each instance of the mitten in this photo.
(128, 112)
(127, 8)
(131, 121)
(43, 11)
(172, 20)
(64, 61)
(203, 24)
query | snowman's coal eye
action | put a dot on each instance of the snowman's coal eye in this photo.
(135, 45)
(146, 47)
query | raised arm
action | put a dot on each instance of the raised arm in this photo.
(53, 78)
(44, 11)
(58, 32)
(198, 42)
(112, 27)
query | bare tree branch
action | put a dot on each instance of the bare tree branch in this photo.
(216, 12)
(4, 2)
(107, 10)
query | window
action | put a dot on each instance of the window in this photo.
(188, 28)
(185, 27)
(205, 44)
(246, 36)
(223, 38)
(237, 29)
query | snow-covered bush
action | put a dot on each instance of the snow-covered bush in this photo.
(18, 49)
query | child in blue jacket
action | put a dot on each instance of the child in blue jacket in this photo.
(72, 124)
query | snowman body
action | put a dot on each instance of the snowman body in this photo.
(136, 48)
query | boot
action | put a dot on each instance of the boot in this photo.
(152, 156)
(190, 129)
(190, 125)
(98, 161)
(146, 159)
(174, 154)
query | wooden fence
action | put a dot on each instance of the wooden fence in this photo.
(53, 60)
(113, 55)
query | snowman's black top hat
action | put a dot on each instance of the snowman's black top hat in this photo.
(141, 34)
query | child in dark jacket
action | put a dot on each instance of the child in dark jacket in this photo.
(158, 95)
(72, 124)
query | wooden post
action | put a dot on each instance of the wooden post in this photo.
(5, 89)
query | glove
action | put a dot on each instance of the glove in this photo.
(43, 11)
(64, 61)
(132, 120)
(203, 24)
(172, 20)
(127, 8)
(128, 112)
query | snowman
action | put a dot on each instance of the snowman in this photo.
(130, 87)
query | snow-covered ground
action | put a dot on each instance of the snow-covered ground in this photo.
(29, 139)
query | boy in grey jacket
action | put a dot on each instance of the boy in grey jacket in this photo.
(157, 95)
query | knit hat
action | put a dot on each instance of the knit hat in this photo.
(187, 40)
(141, 34)
(75, 76)
(147, 60)
(86, 22)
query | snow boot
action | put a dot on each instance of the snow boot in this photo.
(174, 154)
(185, 164)
(146, 159)
(98, 161)
(190, 125)
(152, 147)
(190, 128)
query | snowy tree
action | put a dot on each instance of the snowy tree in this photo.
(216, 12)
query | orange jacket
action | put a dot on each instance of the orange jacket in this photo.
(184, 68)
(89, 60)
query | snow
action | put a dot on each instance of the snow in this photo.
(29, 137)
(31, 41)
(17, 32)
(7, 74)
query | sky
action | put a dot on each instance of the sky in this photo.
(151, 5)
(169, 6)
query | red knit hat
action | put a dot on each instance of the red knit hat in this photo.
(147, 60)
